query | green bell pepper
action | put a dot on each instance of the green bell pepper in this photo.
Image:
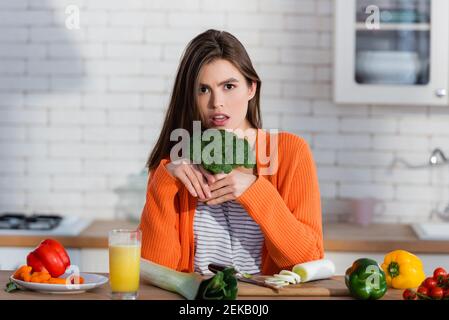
(366, 280)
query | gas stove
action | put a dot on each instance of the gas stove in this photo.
(33, 222)
(13, 223)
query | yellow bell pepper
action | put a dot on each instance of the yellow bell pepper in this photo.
(403, 270)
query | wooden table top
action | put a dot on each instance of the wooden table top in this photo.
(337, 237)
(94, 236)
(149, 292)
(378, 238)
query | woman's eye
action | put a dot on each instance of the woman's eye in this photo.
(229, 86)
(204, 90)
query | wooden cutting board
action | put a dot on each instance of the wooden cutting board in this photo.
(332, 287)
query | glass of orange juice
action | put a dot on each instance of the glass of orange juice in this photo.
(124, 263)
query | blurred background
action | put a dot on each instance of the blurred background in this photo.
(81, 105)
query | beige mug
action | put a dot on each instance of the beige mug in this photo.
(363, 210)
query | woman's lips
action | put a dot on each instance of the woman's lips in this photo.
(219, 122)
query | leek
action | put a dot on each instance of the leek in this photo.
(192, 286)
(315, 270)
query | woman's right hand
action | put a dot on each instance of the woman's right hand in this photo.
(193, 176)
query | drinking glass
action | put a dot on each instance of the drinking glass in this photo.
(124, 263)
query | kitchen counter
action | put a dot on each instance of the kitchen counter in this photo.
(337, 237)
(149, 292)
(378, 238)
(94, 236)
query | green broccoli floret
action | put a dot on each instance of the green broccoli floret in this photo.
(235, 152)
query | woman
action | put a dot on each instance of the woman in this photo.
(259, 221)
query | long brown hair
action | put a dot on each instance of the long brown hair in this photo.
(182, 109)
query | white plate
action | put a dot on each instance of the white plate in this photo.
(91, 281)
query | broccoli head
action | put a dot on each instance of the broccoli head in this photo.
(222, 153)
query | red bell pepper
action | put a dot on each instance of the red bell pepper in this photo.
(49, 256)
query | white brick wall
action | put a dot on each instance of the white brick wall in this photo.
(81, 109)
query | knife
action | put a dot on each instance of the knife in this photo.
(244, 277)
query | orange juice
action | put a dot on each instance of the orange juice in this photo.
(124, 267)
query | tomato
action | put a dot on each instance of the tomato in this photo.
(423, 290)
(445, 282)
(429, 283)
(436, 293)
(439, 274)
(446, 293)
(409, 294)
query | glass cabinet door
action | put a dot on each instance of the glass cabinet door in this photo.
(392, 42)
(391, 52)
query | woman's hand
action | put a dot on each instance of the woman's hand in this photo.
(230, 186)
(194, 177)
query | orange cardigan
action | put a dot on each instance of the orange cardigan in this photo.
(286, 205)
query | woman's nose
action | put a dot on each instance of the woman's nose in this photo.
(217, 100)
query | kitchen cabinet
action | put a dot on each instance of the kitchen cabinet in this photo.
(391, 52)
(94, 260)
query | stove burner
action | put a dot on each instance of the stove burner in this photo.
(34, 222)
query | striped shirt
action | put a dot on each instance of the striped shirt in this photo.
(226, 234)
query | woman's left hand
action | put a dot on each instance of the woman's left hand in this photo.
(230, 186)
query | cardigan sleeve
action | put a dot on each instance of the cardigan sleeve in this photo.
(291, 226)
(159, 220)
